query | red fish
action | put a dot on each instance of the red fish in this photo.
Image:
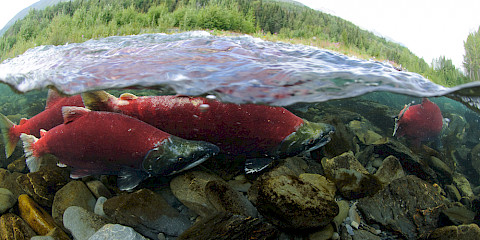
(111, 143)
(248, 129)
(47, 119)
(419, 122)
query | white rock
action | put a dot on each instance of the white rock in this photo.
(116, 231)
(82, 223)
(99, 206)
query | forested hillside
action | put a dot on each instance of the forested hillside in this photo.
(80, 20)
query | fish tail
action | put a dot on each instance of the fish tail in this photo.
(9, 139)
(33, 162)
(97, 100)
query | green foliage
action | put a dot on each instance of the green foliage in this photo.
(447, 73)
(80, 20)
(471, 59)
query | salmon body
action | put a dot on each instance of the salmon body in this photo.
(47, 119)
(110, 143)
(248, 129)
(419, 122)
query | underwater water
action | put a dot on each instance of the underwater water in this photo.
(368, 174)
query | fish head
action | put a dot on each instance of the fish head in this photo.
(308, 137)
(398, 119)
(176, 154)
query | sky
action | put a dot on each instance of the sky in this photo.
(429, 28)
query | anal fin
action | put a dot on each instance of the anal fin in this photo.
(129, 178)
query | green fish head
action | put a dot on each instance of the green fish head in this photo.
(175, 154)
(308, 137)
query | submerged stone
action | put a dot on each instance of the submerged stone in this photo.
(75, 193)
(81, 223)
(189, 188)
(291, 203)
(7, 200)
(225, 199)
(351, 178)
(390, 170)
(408, 206)
(147, 212)
(462, 232)
(226, 226)
(43, 184)
(116, 231)
(14, 228)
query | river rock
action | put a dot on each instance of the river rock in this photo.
(75, 193)
(407, 205)
(343, 209)
(324, 234)
(363, 132)
(225, 199)
(325, 186)
(291, 203)
(462, 232)
(18, 165)
(456, 215)
(442, 169)
(98, 189)
(147, 212)
(7, 200)
(116, 231)
(35, 215)
(351, 178)
(99, 206)
(411, 163)
(227, 226)
(452, 193)
(189, 188)
(342, 140)
(240, 183)
(81, 223)
(43, 184)
(390, 170)
(462, 184)
(8, 180)
(12, 227)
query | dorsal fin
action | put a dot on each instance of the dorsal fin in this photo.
(97, 100)
(127, 96)
(71, 113)
(52, 98)
(23, 121)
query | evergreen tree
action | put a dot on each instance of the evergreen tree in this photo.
(471, 59)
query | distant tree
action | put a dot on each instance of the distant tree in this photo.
(447, 73)
(471, 59)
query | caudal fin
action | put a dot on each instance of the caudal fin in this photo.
(97, 100)
(33, 162)
(9, 140)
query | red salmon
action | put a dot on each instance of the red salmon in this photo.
(419, 122)
(111, 143)
(47, 119)
(249, 129)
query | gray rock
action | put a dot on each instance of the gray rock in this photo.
(7, 200)
(99, 206)
(82, 223)
(453, 193)
(147, 212)
(116, 231)
(457, 215)
(226, 226)
(42, 238)
(408, 205)
(442, 169)
(75, 193)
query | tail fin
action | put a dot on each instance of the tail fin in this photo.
(97, 100)
(9, 140)
(33, 162)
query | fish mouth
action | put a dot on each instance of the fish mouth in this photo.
(175, 155)
(308, 137)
